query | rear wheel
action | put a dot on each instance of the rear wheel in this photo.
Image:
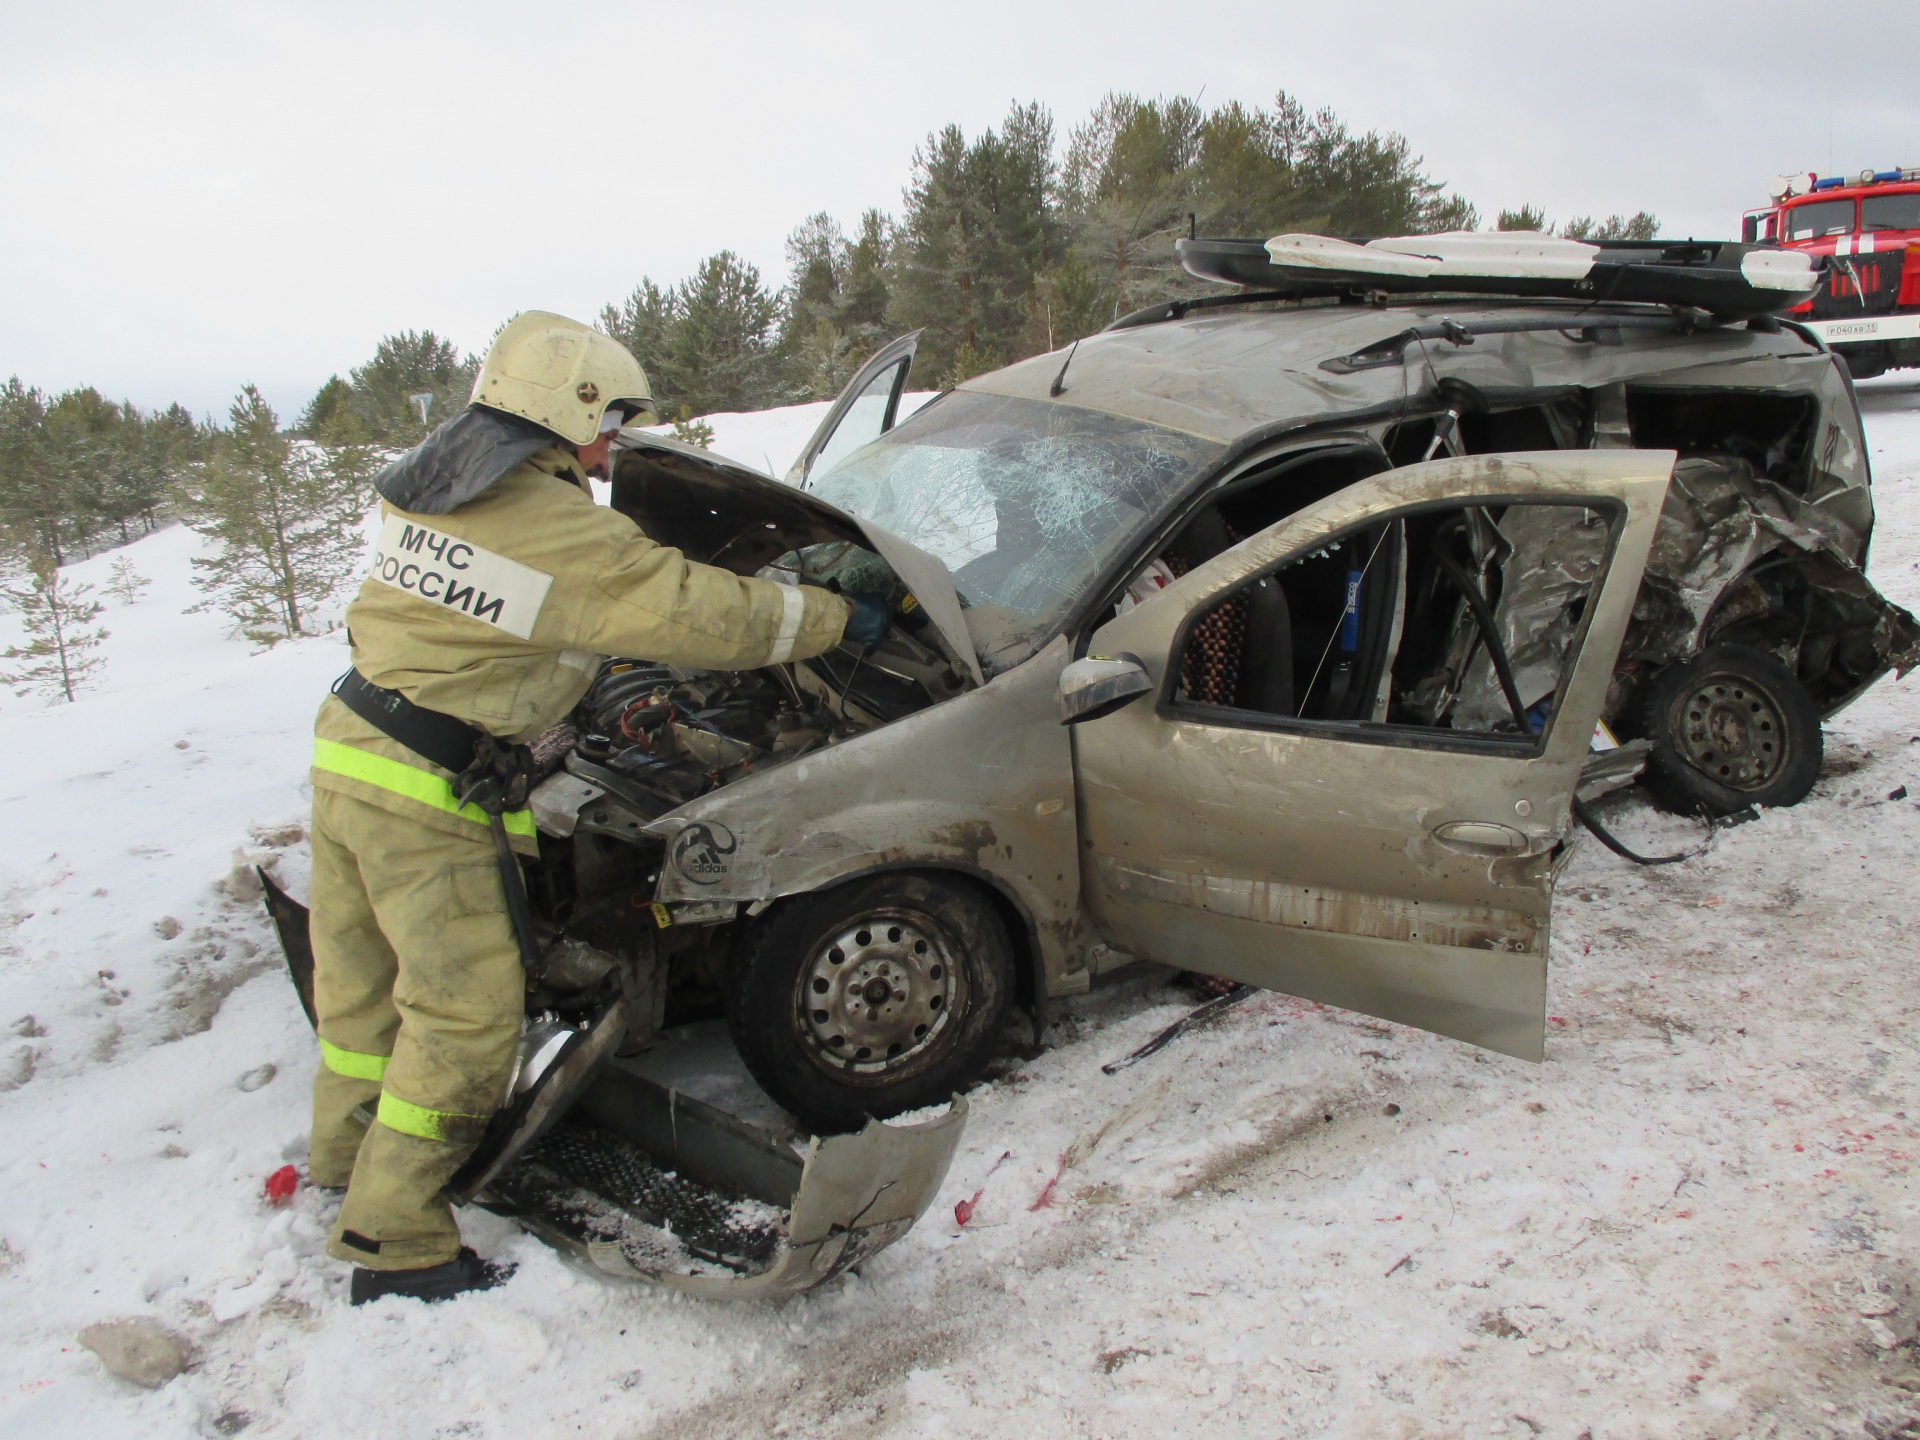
(872, 998)
(1731, 727)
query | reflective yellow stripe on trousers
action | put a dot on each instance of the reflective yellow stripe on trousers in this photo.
(353, 1064)
(419, 1121)
(395, 1113)
(406, 780)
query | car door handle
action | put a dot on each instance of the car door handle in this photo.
(1479, 837)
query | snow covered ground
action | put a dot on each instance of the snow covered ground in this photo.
(1697, 1218)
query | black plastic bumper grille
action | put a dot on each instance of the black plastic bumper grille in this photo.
(590, 1186)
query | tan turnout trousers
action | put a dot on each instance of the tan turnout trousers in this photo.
(419, 992)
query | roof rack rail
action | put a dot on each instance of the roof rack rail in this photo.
(1175, 309)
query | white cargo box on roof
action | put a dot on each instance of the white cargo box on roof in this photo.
(1730, 280)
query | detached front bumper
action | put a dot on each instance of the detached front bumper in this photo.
(647, 1183)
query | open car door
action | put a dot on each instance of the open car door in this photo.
(865, 410)
(1379, 832)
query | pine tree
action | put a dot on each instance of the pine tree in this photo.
(1639, 226)
(689, 431)
(175, 443)
(403, 366)
(1130, 181)
(82, 429)
(59, 657)
(287, 518)
(1138, 173)
(142, 462)
(36, 502)
(815, 349)
(833, 312)
(720, 352)
(124, 582)
(331, 403)
(81, 465)
(978, 232)
(644, 322)
(1527, 217)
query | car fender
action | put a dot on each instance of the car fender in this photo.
(981, 784)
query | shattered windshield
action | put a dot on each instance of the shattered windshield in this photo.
(1023, 500)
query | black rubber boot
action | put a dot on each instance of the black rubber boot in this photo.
(466, 1271)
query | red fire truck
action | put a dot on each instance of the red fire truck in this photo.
(1868, 304)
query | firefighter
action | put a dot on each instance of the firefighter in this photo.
(497, 588)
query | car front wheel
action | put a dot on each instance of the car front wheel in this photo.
(872, 998)
(1731, 727)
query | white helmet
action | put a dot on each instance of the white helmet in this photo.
(564, 376)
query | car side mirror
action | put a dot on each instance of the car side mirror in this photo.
(1100, 685)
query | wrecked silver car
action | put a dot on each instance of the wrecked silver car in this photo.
(1271, 634)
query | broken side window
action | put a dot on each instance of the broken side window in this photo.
(1377, 628)
(1770, 430)
(1560, 424)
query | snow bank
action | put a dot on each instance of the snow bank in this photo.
(1695, 1219)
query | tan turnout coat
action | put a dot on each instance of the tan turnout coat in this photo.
(499, 613)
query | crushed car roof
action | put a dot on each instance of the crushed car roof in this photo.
(1228, 375)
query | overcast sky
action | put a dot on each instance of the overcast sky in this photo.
(197, 195)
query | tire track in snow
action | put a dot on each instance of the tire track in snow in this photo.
(857, 1395)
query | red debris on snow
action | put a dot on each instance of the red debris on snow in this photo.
(963, 1209)
(280, 1186)
(1045, 1197)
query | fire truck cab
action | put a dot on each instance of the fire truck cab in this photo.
(1867, 226)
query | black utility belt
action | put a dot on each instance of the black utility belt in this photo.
(449, 743)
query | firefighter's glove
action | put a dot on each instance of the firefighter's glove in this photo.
(868, 619)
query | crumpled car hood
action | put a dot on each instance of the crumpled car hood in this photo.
(723, 513)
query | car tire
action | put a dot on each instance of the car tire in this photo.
(872, 998)
(1731, 727)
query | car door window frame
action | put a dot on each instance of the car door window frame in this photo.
(898, 354)
(1263, 462)
(1371, 732)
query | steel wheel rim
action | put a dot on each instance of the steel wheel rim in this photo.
(877, 997)
(1732, 731)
